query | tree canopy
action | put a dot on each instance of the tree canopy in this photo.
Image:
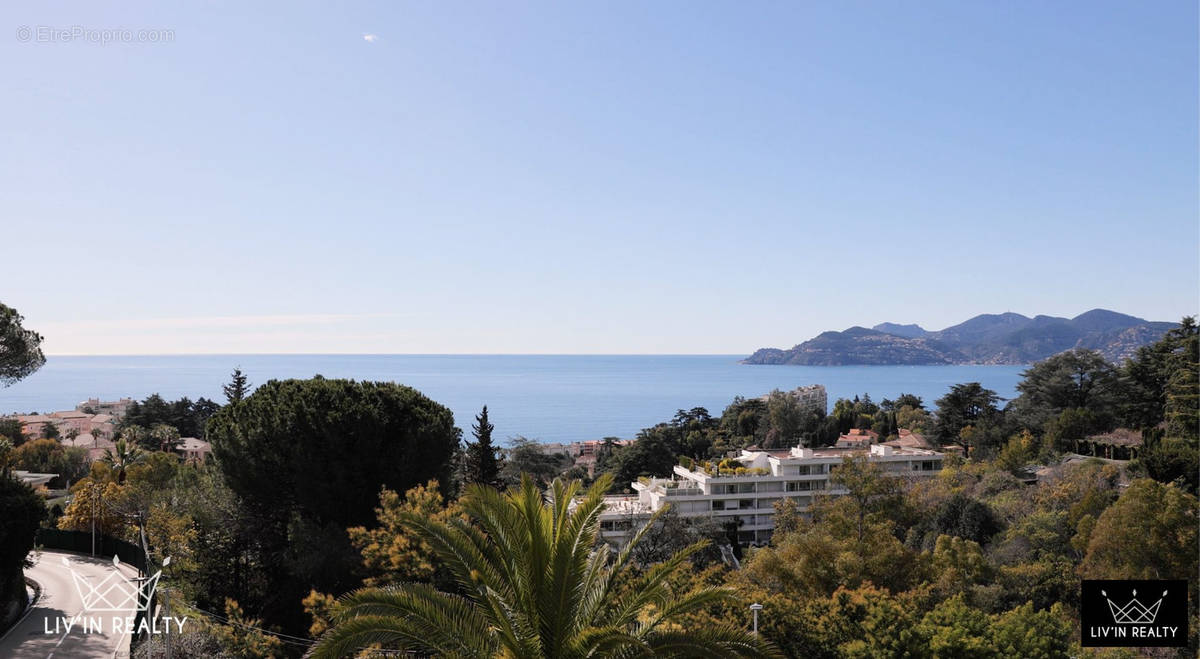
(188, 418)
(1075, 379)
(965, 406)
(324, 448)
(308, 459)
(20, 348)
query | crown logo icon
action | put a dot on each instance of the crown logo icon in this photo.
(1134, 612)
(115, 593)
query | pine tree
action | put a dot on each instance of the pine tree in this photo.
(238, 387)
(481, 464)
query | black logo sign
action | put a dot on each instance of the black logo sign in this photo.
(1134, 614)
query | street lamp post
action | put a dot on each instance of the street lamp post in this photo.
(755, 608)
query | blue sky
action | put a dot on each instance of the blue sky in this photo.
(619, 177)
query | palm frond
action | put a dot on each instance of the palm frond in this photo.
(653, 587)
(717, 642)
(437, 620)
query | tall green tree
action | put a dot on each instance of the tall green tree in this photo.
(308, 459)
(869, 490)
(1075, 379)
(20, 349)
(238, 387)
(21, 512)
(1165, 369)
(480, 461)
(533, 582)
(121, 456)
(786, 417)
(1182, 408)
(965, 405)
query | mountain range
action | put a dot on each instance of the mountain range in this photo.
(1007, 338)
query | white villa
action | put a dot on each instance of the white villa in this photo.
(746, 493)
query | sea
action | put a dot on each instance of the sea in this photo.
(548, 398)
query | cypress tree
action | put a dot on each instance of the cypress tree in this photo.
(482, 466)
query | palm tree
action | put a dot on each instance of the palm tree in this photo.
(167, 436)
(535, 583)
(122, 455)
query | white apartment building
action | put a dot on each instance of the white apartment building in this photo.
(747, 494)
(809, 398)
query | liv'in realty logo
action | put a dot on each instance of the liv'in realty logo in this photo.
(1113, 614)
(115, 593)
(119, 596)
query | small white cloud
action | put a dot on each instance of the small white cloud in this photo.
(370, 38)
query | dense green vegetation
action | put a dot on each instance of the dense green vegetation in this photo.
(532, 581)
(322, 487)
(307, 459)
(187, 417)
(21, 509)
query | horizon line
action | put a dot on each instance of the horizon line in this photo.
(397, 354)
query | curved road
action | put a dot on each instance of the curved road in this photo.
(60, 599)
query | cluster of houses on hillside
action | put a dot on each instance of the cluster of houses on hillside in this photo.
(92, 425)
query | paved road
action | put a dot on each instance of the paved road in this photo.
(60, 599)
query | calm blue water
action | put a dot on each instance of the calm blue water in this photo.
(552, 398)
